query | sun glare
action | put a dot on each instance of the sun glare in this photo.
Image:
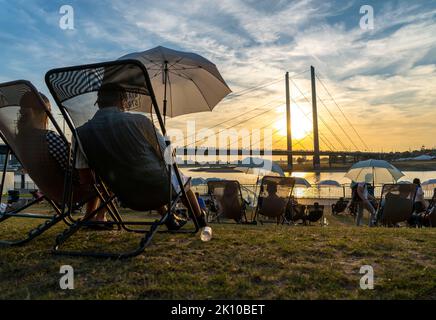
(300, 124)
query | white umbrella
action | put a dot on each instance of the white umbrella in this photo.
(198, 181)
(429, 184)
(301, 183)
(381, 171)
(260, 167)
(329, 183)
(185, 82)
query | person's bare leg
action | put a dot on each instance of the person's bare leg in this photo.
(370, 208)
(195, 207)
(194, 203)
(359, 214)
(86, 178)
(93, 205)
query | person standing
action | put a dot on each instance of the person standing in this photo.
(420, 204)
(364, 201)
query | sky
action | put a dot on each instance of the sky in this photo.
(382, 79)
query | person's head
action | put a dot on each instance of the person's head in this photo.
(230, 189)
(417, 181)
(271, 187)
(404, 190)
(197, 195)
(46, 101)
(32, 116)
(369, 178)
(111, 95)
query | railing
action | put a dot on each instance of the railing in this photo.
(28, 185)
(250, 191)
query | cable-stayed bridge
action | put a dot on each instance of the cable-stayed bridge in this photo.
(332, 132)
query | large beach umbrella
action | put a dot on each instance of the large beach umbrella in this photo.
(184, 82)
(429, 184)
(260, 167)
(329, 183)
(301, 183)
(381, 171)
(198, 181)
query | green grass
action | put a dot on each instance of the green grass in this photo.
(241, 262)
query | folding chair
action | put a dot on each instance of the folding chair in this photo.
(75, 92)
(339, 206)
(431, 215)
(396, 203)
(24, 122)
(274, 197)
(226, 201)
(294, 212)
(315, 213)
(429, 218)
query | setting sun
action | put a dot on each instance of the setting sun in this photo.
(300, 124)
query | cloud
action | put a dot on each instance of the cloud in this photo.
(381, 78)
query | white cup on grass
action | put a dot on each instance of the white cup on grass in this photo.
(206, 234)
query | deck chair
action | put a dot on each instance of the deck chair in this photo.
(396, 204)
(294, 212)
(75, 92)
(339, 206)
(315, 213)
(274, 197)
(24, 122)
(226, 201)
(428, 219)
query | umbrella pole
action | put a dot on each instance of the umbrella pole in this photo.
(165, 91)
(373, 177)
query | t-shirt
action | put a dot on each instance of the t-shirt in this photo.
(419, 197)
(127, 152)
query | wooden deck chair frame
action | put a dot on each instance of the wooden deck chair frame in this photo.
(244, 203)
(49, 220)
(107, 199)
(280, 218)
(395, 215)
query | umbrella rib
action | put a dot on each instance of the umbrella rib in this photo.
(188, 78)
(220, 80)
(155, 75)
(155, 63)
(172, 65)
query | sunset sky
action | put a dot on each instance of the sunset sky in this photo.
(383, 79)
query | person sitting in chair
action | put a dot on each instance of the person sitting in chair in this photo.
(129, 154)
(230, 202)
(49, 150)
(272, 204)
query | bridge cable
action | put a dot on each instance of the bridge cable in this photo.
(322, 120)
(337, 122)
(343, 114)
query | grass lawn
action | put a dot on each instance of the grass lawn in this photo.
(241, 262)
